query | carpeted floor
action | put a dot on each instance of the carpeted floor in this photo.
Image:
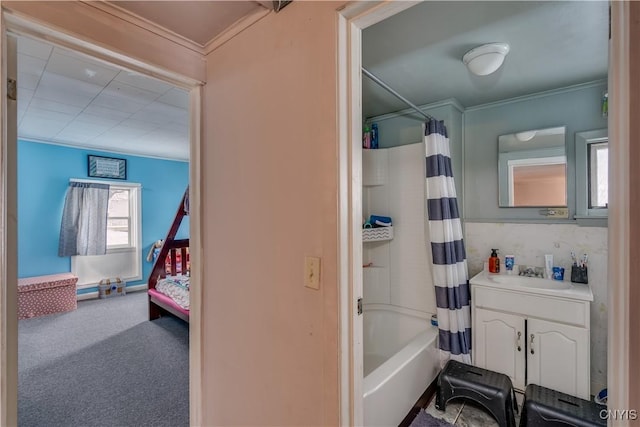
(104, 364)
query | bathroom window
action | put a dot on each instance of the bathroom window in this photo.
(592, 177)
(598, 175)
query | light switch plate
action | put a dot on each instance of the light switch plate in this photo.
(312, 272)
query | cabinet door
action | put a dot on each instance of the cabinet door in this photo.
(558, 357)
(500, 344)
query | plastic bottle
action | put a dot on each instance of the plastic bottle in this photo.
(374, 135)
(494, 262)
(366, 137)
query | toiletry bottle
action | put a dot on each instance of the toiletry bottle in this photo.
(374, 135)
(494, 262)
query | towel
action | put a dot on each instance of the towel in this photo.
(380, 221)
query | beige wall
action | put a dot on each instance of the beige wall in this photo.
(270, 198)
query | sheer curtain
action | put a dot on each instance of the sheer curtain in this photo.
(451, 278)
(84, 220)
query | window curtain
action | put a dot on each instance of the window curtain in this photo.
(450, 275)
(84, 220)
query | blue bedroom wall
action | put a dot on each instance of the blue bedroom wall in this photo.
(44, 171)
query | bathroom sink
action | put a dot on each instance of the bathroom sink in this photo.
(528, 282)
(516, 283)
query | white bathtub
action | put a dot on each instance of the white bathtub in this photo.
(400, 360)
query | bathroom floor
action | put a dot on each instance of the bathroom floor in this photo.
(468, 414)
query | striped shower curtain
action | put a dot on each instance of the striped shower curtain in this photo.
(450, 274)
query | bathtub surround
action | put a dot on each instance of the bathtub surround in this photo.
(450, 275)
(394, 186)
(401, 356)
(529, 243)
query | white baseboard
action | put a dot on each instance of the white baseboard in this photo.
(93, 295)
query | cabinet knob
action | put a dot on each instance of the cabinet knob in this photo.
(518, 341)
(531, 344)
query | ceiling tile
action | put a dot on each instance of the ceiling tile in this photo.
(161, 113)
(127, 105)
(30, 65)
(40, 127)
(24, 98)
(40, 113)
(138, 124)
(46, 104)
(34, 48)
(78, 131)
(55, 88)
(28, 81)
(109, 113)
(143, 82)
(119, 134)
(125, 91)
(98, 121)
(74, 67)
(176, 97)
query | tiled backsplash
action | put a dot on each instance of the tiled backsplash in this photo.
(529, 243)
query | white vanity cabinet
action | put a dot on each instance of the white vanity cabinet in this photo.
(533, 335)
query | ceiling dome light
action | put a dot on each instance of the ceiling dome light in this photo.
(486, 59)
(526, 135)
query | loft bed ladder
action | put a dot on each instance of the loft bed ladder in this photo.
(171, 243)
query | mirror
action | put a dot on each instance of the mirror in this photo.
(532, 168)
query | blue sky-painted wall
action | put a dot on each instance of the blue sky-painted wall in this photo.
(44, 171)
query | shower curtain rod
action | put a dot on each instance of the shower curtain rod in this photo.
(396, 94)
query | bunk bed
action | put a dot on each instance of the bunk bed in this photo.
(169, 279)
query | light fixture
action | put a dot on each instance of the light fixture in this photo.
(486, 59)
(525, 136)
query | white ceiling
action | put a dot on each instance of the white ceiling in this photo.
(418, 52)
(71, 99)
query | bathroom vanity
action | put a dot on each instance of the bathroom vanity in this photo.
(534, 330)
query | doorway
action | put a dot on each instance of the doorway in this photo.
(19, 27)
(353, 22)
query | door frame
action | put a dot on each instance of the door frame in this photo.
(624, 343)
(21, 25)
(352, 19)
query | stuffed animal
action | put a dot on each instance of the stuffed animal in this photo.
(154, 250)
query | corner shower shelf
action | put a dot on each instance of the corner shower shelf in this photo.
(377, 234)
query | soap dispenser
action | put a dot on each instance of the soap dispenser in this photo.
(494, 262)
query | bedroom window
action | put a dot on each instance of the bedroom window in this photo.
(124, 251)
(119, 218)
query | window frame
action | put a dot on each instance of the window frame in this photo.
(583, 141)
(131, 228)
(135, 230)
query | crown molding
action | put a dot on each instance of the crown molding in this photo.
(128, 16)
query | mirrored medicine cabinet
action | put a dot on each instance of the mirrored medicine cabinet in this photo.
(532, 168)
(532, 171)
